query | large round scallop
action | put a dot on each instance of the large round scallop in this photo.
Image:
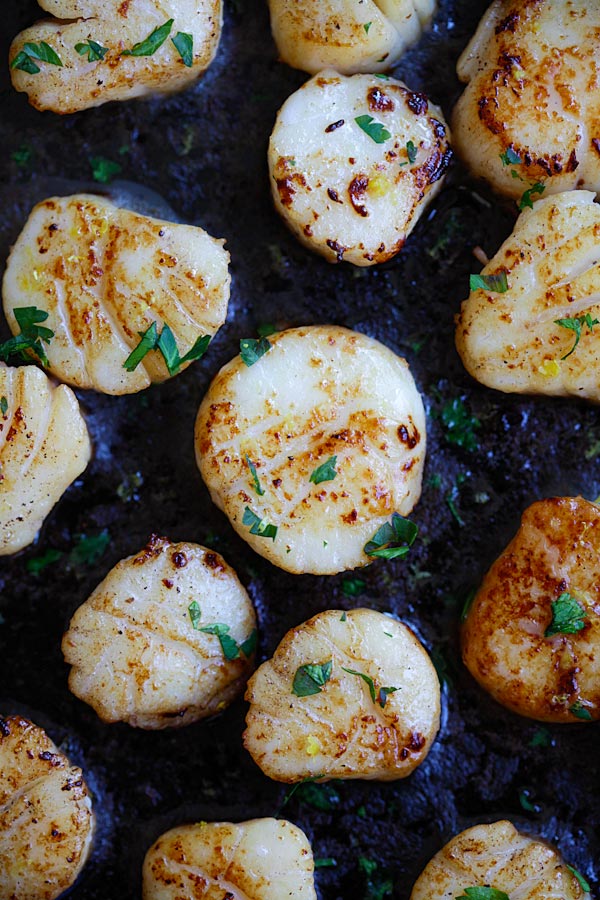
(346, 695)
(166, 639)
(105, 276)
(46, 818)
(539, 335)
(348, 35)
(353, 161)
(44, 447)
(531, 104)
(100, 50)
(532, 634)
(311, 447)
(262, 859)
(503, 862)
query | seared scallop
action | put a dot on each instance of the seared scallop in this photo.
(100, 50)
(353, 161)
(44, 447)
(346, 695)
(528, 116)
(262, 859)
(537, 330)
(532, 635)
(501, 859)
(106, 277)
(166, 639)
(348, 35)
(46, 818)
(311, 442)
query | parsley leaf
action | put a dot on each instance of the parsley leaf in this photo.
(103, 169)
(325, 863)
(394, 539)
(167, 345)
(541, 738)
(184, 44)
(198, 350)
(510, 158)
(39, 563)
(376, 696)
(576, 324)
(24, 59)
(94, 50)
(411, 152)
(353, 587)
(266, 329)
(580, 711)
(195, 613)
(526, 198)
(310, 678)
(22, 156)
(583, 883)
(497, 283)
(258, 526)
(259, 490)
(483, 893)
(151, 44)
(468, 604)
(378, 887)
(325, 472)
(366, 26)
(31, 336)
(149, 339)
(376, 131)
(249, 645)
(3, 405)
(323, 797)
(460, 424)
(229, 646)
(251, 350)
(567, 616)
(90, 548)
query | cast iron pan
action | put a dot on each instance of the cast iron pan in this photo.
(204, 152)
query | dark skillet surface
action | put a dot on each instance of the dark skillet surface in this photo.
(204, 152)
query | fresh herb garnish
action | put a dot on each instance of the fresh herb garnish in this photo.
(167, 345)
(323, 797)
(378, 887)
(229, 646)
(497, 283)
(376, 131)
(25, 58)
(249, 645)
(526, 803)
(468, 604)
(151, 44)
(541, 738)
(510, 158)
(259, 490)
(353, 587)
(3, 405)
(266, 329)
(393, 540)
(39, 563)
(582, 882)
(258, 526)
(411, 152)
(184, 44)
(90, 548)
(576, 324)
(310, 678)
(31, 336)
(251, 350)
(325, 862)
(483, 893)
(103, 169)
(148, 342)
(366, 26)
(568, 616)
(195, 614)
(526, 198)
(376, 696)
(325, 472)
(94, 50)
(460, 424)
(22, 156)
(580, 711)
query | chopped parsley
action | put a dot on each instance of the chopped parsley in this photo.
(376, 131)
(266, 329)
(382, 76)
(376, 696)
(579, 710)
(184, 44)
(251, 350)
(582, 882)
(148, 342)
(22, 156)
(151, 44)
(325, 472)
(576, 324)
(37, 565)
(230, 647)
(103, 169)
(568, 616)
(3, 405)
(325, 862)
(166, 344)
(310, 678)
(468, 604)
(541, 738)
(90, 548)
(258, 526)
(510, 158)
(353, 587)
(366, 26)
(31, 336)
(378, 887)
(483, 893)
(460, 424)
(394, 539)
(411, 152)
(526, 198)
(195, 614)
(259, 490)
(94, 50)
(497, 283)
(25, 58)
(526, 803)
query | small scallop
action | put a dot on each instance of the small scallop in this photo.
(524, 340)
(46, 818)
(173, 41)
(166, 639)
(532, 634)
(312, 448)
(44, 447)
(346, 695)
(531, 104)
(106, 275)
(353, 162)
(262, 859)
(348, 35)
(499, 857)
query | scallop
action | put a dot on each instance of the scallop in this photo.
(500, 858)
(538, 334)
(44, 447)
(166, 639)
(262, 859)
(106, 276)
(348, 35)
(311, 441)
(353, 162)
(527, 117)
(99, 50)
(346, 695)
(532, 635)
(46, 818)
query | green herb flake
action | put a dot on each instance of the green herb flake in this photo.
(31, 335)
(378, 886)
(195, 614)
(259, 490)
(229, 646)
(541, 738)
(323, 797)
(103, 169)
(258, 526)
(325, 862)
(582, 882)
(90, 548)
(37, 565)
(460, 424)
(266, 329)
(94, 50)
(251, 350)
(576, 324)
(151, 44)
(526, 803)
(198, 350)
(382, 76)
(483, 893)
(353, 587)
(497, 283)
(325, 472)
(468, 604)
(310, 678)
(375, 130)
(380, 696)
(149, 339)
(167, 345)
(367, 26)
(393, 540)
(3, 405)
(580, 711)
(343, 617)
(411, 152)
(249, 645)
(510, 158)
(24, 59)
(25, 63)
(568, 616)
(22, 156)
(184, 44)
(527, 197)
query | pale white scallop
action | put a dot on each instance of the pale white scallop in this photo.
(348, 35)
(318, 392)
(136, 647)
(343, 731)
(44, 447)
(262, 859)
(498, 856)
(533, 87)
(511, 341)
(46, 818)
(115, 25)
(104, 274)
(341, 192)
